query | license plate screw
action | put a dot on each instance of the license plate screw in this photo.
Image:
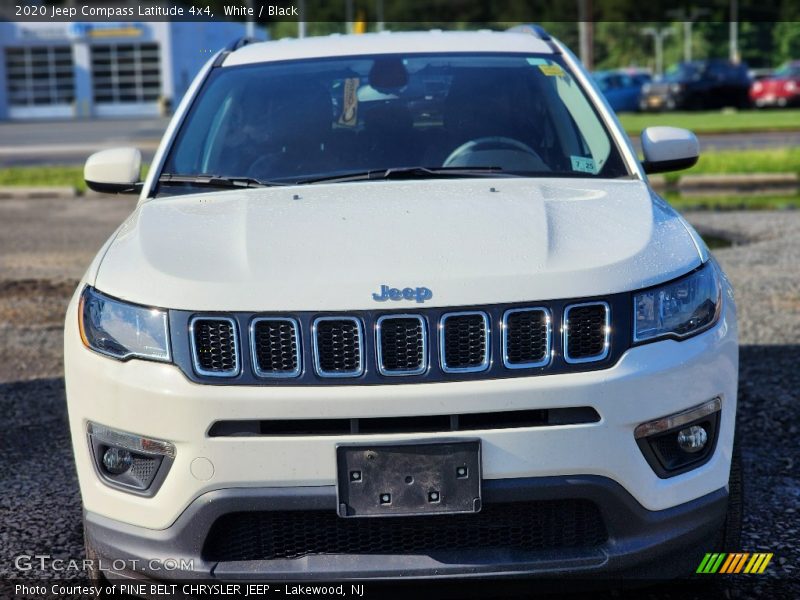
(433, 496)
(461, 472)
(386, 498)
(355, 475)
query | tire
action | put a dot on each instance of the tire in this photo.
(96, 577)
(730, 535)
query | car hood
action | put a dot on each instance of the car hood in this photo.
(330, 247)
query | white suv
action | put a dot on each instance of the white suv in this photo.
(402, 305)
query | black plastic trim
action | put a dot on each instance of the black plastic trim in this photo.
(642, 543)
(656, 461)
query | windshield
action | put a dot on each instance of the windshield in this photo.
(303, 120)
(683, 72)
(788, 70)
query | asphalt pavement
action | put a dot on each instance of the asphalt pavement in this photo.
(71, 142)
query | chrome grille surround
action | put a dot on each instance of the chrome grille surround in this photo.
(548, 338)
(606, 333)
(237, 351)
(315, 347)
(254, 348)
(443, 342)
(379, 345)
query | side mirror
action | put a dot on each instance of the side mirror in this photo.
(114, 171)
(668, 149)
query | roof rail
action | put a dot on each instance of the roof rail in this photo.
(233, 47)
(531, 29)
(241, 42)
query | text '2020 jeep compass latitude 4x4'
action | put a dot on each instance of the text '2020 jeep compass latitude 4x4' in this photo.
(402, 305)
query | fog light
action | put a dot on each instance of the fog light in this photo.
(117, 460)
(128, 461)
(692, 439)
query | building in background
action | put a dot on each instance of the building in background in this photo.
(87, 70)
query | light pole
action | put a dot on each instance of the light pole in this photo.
(658, 40)
(688, 19)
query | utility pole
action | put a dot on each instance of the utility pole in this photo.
(379, 15)
(586, 33)
(250, 26)
(733, 28)
(658, 40)
(301, 23)
(348, 15)
(687, 18)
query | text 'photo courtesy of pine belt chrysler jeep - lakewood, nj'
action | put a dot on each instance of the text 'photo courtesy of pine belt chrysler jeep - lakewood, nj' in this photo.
(402, 305)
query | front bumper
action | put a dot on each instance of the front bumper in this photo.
(640, 543)
(156, 400)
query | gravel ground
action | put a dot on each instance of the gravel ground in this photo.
(46, 245)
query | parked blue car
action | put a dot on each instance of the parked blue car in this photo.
(622, 88)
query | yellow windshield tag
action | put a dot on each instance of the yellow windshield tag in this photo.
(349, 116)
(552, 70)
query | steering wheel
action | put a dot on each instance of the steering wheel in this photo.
(460, 156)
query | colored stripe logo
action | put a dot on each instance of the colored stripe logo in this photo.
(733, 563)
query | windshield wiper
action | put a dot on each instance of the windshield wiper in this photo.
(219, 181)
(409, 173)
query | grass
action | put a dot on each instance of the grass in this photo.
(716, 121)
(739, 202)
(730, 162)
(43, 176)
(775, 160)
(47, 177)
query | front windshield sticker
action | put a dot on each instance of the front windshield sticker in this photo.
(583, 164)
(349, 116)
(552, 70)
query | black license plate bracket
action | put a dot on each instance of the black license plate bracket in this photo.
(415, 478)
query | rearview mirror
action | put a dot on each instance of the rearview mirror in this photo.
(114, 171)
(669, 149)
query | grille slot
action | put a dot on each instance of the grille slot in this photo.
(338, 347)
(526, 338)
(586, 332)
(275, 347)
(402, 345)
(464, 342)
(215, 346)
(418, 424)
(517, 527)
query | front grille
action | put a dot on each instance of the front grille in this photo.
(402, 347)
(428, 345)
(275, 347)
(516, 527)
(526, 338)
(586, 332)
(464, 341)
(338, 347)
(215, 346)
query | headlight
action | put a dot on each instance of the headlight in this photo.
(122, 330)
(676, 88)
(680, 308)
(790, 86)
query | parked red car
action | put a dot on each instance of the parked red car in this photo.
(782, 89)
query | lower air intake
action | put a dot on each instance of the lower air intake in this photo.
(509, 527)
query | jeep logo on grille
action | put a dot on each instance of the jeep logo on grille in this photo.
(419, 294)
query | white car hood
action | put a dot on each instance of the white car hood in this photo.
(330, 247)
